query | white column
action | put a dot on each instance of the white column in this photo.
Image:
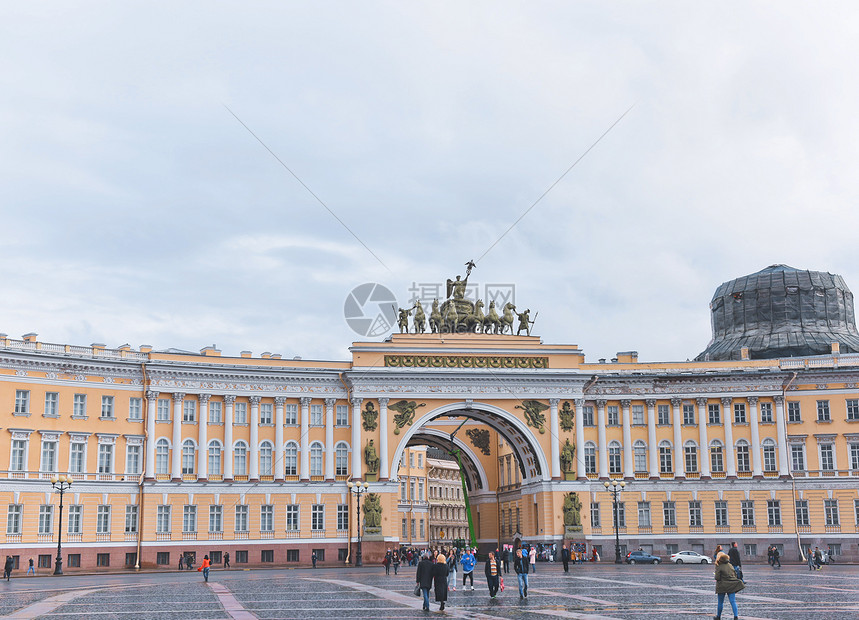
(279, 402)
(329, 438)
(628, 467)
(176, 468)
(203, 438)
(679, 454)
(151, 413)
(757, 470)
(304, 460)
(652, 448)
(253, 451)
(603, 447)
(356, 438)
(229, 400)
(781, 432)
(728, 421)
(384, 465)
(554, 438)
(702, 437)
(580, 437)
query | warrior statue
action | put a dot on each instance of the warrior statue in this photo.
(524, 322)
(372, 511)
(403, 321)
(371, 458)
(572, 510)
(568, 457)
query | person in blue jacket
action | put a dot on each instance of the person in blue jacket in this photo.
(467, 562)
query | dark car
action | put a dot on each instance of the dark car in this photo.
(640, 557)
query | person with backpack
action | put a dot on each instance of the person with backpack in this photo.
(727, 582)
(734, 556)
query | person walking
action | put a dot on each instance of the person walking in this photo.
(809, 559)
(770, 555)
(451, 571)
(467, 562)
(227, 559)
(7, 567)
(520, 565)
(313, 559)
(717, 552)
(439, 577)
(776, 559)
(204, 567)
(395, 561)
(181, 562)
(386, 562)
(423, 578)
(818, 558)
(728, 583)
(565, 558)
(493, 574)
(31, 569)
(734, 555)
(508, 557)
(532, 555)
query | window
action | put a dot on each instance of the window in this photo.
(740, 413)
(690, 452)
(162, 448)
(743, 456)
(342, 516)
(854, 456)
(46, 519)
(316, 415)
(420, 490)
(216, 557)
(75, 516)
(590, 458)
(189, 451)
(341, 460)
(105, 458)
(405, 528)
(102, 522)
(240, 459)
(292, 518)
(290, 458)
(773, 513)
(414, 528)
(402, 490)
(643, 514)
(317, 517)
(717, 461)
(216, 518)
(45, 561)
(766, 412)
(342, 416)
(130, 519)
(162, 521)
(241, 518)
(769, 455)
(290, 413)
(13, 518)
(663, 415)
(721, 511)
(827, 457)
(102, 559)
(79, 406)
(266, 518)
(587, 415)
(216, 412)
(834, 549)
(189, 519)
(135, 408)
(411, 459)
(750, 549)
(665, 464)
(130, 559)
(49, 456)
(856, 510)
(132, 458)
(823, 411)
(77, 457)
(802, 517)
(74, 560)
(853, 409)
(420, 460)
(162, 558)
(52, 403)
(714, 413)
(19, 450)
(621, 515)
(242, 557)
(215, 452)
(797, 457)
(342, 554)
(688, 414)
(316, 459)
(793, 412)
(292, 555)
(595, 515)
(266, 555)
(265, 413)
(830, 511)
(22, 402)
(639, 451)
(241, 413)
(163, 410)
(107, 406)
(612, 417)
(747, 509)
(614, 465)
(412, 491)
(695, 519)
(189, 411)
(669, 514)
(638, 414)
(265, 454)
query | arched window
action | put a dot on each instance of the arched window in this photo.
(341, 459)
(743, 456)
(189, 451)
(769, 449)
(316, 459)
(265, 451)
(290, 458)
(614, 465)
(666, 463)
(717, 458)
(639, 451)
(215, 451)
(690, 452)
(590, 458)
(162, 456)
(240, 459)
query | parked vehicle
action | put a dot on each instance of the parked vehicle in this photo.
(640, 557)
(690, 557)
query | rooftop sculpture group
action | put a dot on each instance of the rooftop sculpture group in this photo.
(458, 315)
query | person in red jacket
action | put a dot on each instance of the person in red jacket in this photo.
(205, 567)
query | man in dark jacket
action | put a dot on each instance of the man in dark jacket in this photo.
(492, 569)
(565, 558)
(734, 555)
(424, 578)
(521, 565)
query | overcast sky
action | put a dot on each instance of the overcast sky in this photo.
(137, 209)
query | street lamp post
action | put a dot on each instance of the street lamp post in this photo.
(358, 488)
(615, 487)
(61, 484)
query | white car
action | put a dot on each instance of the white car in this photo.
(690, 557)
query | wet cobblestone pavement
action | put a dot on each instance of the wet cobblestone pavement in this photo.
(603, 591)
